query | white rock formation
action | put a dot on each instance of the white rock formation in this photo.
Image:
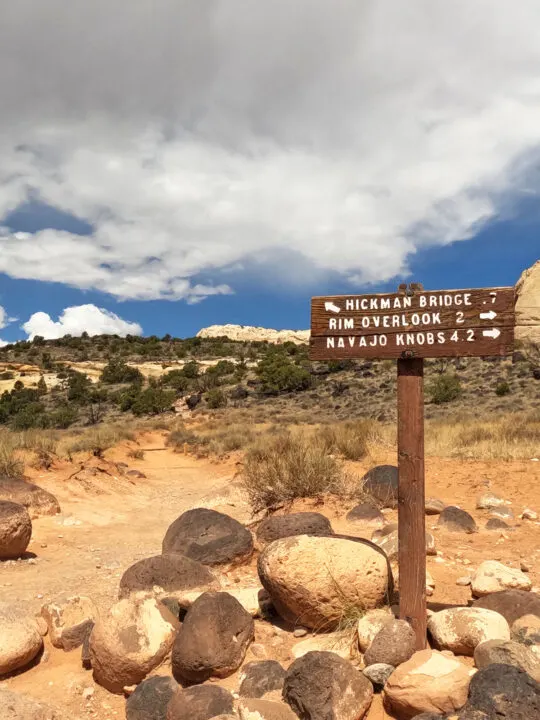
(246, 333)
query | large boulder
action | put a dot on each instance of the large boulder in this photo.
(381, 482)
(321, 685)
(200, 702)
(15, 529)
(151, 699)
(429, 682)
(21, 707)
(511, 604)
(528, 305)
(35, 499)
(461, 629)
(172, 574)
(507, 652)
(503, 691)
(393, 645)
(454, 519)
(302, 523)
(69, 620)
(213, 639)
(259, 678)
(20, 639)
(492, 576)
(311, 580)
(129, 641)
(208, 536)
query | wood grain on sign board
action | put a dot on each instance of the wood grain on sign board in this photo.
(391, 313)
(416, 346)
(411, 501)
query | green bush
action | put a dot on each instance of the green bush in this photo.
(30, 416)
(79, 386)
(502, 388)
(152, 401)
(278, 373)
(176, 379)
(63, 417)
(444, 388)
(216, 398)
(118, 372)
(191, 369)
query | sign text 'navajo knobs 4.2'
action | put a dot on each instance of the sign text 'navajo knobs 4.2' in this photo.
(413, 323)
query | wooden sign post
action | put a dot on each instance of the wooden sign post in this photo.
(408, 326)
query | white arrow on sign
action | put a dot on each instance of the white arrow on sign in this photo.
(330, 307)
(492, 333)
(491, 315)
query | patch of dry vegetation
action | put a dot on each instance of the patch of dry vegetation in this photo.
(279, 469)
(351, 440)
(96, 439)
(11, 464)
(504, 437)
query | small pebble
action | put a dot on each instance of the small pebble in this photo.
(88, 692)
(43, 545)
(524, 566)
(300, 632)
(529, 514)
(464, 581)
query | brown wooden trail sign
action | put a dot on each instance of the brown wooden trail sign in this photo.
(410, 325)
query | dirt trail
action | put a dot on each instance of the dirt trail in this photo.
(110, 521)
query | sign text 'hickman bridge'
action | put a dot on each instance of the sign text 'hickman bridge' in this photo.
(443, 323)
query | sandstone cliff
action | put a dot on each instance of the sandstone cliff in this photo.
(528, 305)
(245, 333)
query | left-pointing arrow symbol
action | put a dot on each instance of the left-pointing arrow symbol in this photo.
(330, 307)
(492, 333)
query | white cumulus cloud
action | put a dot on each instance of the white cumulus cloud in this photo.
(196, 137)
(78, 319)
(4, 320)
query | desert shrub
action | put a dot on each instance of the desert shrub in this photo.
(284, 467)
(10, 465)
(278, 373)
(350, 439)
(136, 454)
(216, 398)
(153, 401)
(62, 417)
(79, 386)
(7, 375)
(42, 386)
(29, 416)
(444, 388)
(502, 388)
(191, 369)
(97, 440)
(176, 379)
(118, 372)
(182, 436)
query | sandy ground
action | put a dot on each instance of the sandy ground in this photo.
(109, 521)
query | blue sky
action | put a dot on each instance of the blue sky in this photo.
(254, 156)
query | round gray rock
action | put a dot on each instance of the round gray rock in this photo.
(200, 702)
(302, 523)
(173, 573)
(322, 685)
(213, 639)
(497, 524)
(15, 530)
(378, 674)
(151, 699)
(393, 645)
(434, 506)
(366, 514)
(507, 652)
(260, 678)
(209, 537)
(454, 519)
(381, 482)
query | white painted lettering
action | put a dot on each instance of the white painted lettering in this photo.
(330, 342)
(467, 299)
(385, 303)
(341, 342)
(349, 304)
(441, 338)
(400, 339)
